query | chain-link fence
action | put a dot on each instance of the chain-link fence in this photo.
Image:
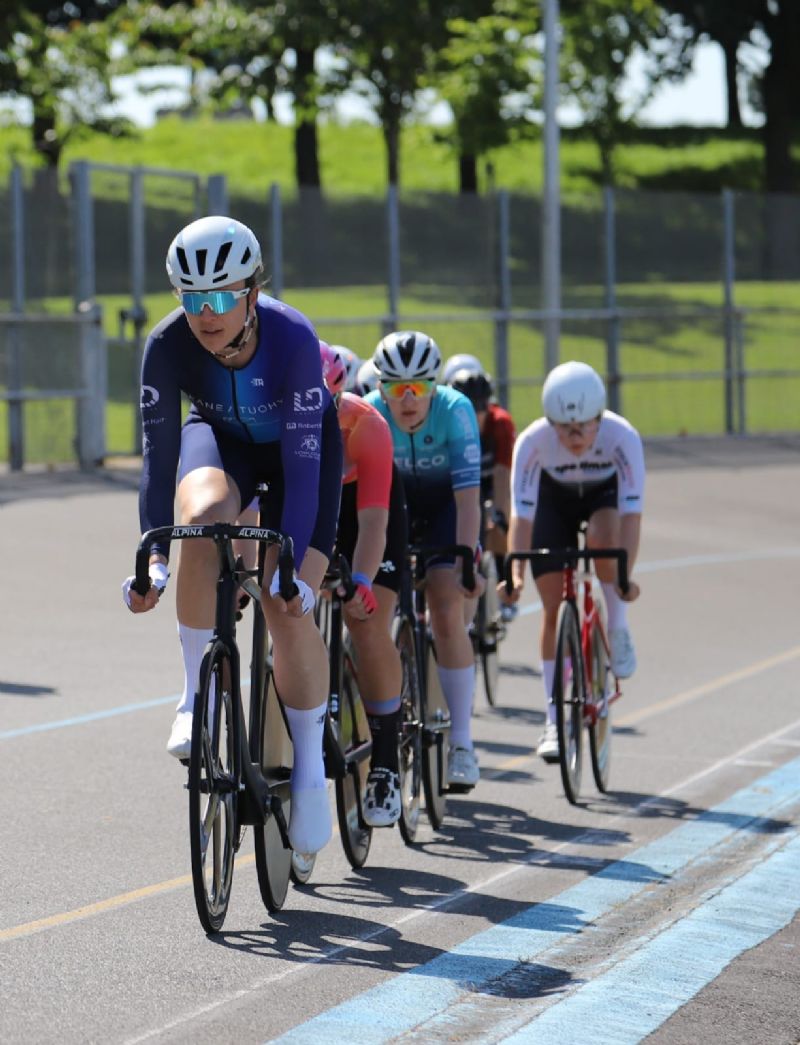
(687, 303)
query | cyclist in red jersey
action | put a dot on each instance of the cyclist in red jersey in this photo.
(372, 534)
(498, 435)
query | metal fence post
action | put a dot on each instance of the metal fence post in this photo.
(137, 314)
(614, 377)
(92, 406)
(217, 194)
(276, 247)
(90, 420)
(16, 428)
(729, 315)
(504, 299)
(393, 229)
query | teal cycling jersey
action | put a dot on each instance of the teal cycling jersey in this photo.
(443, 455)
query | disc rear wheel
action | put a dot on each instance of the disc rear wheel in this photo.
(436, 735)
(272, 752)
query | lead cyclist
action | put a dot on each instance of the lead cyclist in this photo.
(579, 463)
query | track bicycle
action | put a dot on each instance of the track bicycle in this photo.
(584, 686)
(238, 774)
(347, 741)
(488, 629)
(424, 716)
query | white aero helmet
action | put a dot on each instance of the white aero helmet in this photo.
(573, 392)
(407, 355)
(462, 361)
(367, 378)
(351, 363)
(211, 253)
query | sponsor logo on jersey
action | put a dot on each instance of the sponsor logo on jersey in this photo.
(421, 464)
(150, 396)
(310, 400)
(387, 566)
(258, 382)
(472, 453)
(309, 442)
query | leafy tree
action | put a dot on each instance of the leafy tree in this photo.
(486, 72)
(599, 39)
(63, 68)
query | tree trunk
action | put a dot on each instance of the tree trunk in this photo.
(467, 173)
(778, 90)
(730, 49)
(46, 141)
(306, 149)
(391, 136)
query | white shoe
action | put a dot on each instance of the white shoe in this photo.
(179, 744)
(462, 768)
(382, 799)
(310, 826)
(623, 655)
(547, 747)
(509, 613)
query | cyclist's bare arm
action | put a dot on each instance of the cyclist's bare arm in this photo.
(520, 535)
(630, 531)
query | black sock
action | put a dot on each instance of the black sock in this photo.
(384, 740)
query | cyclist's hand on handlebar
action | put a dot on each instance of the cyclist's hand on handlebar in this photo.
(509, 598)
(301, 603)
(363, 603)
(632, 594)
(137, 603)
(480, 582)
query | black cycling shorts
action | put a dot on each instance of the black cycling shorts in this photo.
(248, 464)
(559, 513)
(391, 568)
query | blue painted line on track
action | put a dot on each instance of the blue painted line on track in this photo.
(406, 1001)
(641, 992)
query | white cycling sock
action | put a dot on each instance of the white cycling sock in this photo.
(306, 726)
(458, 686)
(616, 609)
(193, 645)
(548, 671)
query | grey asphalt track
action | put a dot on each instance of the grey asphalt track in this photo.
(99, 940)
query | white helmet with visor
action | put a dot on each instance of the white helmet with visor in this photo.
(573, 392)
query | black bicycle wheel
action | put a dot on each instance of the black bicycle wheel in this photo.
(272, 750)
(212, 789)
(410, 734)
(435, 737)
(600, 728)
(490, 631)
(352, 731)
(568, 696)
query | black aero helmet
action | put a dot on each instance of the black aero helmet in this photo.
(476, 387)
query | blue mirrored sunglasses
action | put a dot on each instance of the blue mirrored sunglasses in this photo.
(219, 301)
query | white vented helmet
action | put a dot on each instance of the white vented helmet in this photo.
(367, 379)
(407, 355)
(462, 361)
(573, 392)
(211, 253)
(351, 362)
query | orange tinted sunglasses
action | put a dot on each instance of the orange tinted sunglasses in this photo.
(418, 389)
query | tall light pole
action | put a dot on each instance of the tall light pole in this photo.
(551, 200)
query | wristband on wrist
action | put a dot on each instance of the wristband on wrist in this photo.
(362, 578)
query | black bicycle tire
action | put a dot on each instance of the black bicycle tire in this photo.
(409, 754)
(212, 908)
(568, 696)
(488, 633)
(600, 731)
(355, 837)
(273, 859)
(434, 753)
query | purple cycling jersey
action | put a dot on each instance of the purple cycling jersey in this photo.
(278, 397)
